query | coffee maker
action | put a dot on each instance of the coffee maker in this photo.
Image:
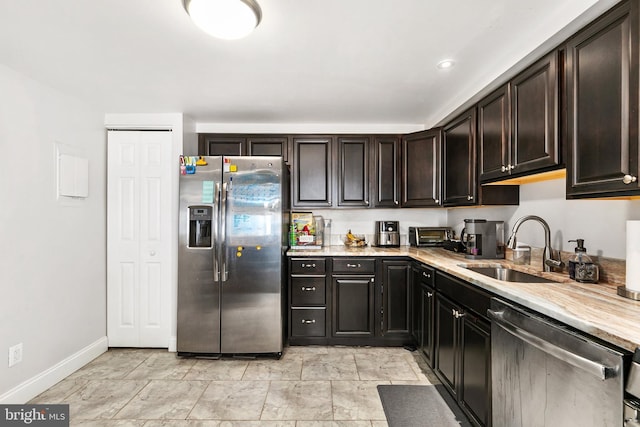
(483, 239)
(387, 234)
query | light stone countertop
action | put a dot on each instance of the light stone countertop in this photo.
(592, 308)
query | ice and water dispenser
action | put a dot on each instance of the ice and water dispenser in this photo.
(200, 226)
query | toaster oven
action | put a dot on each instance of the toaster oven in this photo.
(429, 236)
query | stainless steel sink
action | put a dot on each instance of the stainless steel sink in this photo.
(509, 275)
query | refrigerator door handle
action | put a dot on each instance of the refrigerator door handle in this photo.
(216, 205)
(223, 233)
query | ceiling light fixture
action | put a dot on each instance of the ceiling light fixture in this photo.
(447, 63)
(225, 19)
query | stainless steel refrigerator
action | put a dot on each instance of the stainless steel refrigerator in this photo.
(232, 243)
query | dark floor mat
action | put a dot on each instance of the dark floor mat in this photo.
(420, 406)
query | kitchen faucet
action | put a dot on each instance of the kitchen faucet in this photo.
(547, 256)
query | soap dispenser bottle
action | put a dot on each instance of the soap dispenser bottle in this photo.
(581, 267)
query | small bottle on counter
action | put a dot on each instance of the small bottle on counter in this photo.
(581, 267)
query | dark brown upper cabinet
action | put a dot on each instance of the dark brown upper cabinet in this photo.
(421, 153)
(243, 145)
(494, 140)
(386, 172)
(535, 144)
(602, 106)
(518, 124)
(268, 146)
(459, 161)
(312, 181)
(353, 170)
(221, 145)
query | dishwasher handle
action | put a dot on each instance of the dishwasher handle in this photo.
(594, 368)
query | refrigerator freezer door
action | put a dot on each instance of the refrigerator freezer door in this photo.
(198, 286)
(251, 318)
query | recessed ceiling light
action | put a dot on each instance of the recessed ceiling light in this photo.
(447, 63)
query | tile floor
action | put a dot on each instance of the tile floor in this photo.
(307, 387)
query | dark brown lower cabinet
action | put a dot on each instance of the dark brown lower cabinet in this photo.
(423, 305)
(463, 348)
(353, 306)
(396, 308)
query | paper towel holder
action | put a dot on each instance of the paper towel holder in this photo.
(628, 293)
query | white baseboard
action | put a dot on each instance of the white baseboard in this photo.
(173, 344)
(29, 389)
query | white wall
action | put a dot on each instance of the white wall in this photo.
(602, 223)
(362, 221)
(52, 267)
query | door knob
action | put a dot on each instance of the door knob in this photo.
(628, 179)
(152, 253)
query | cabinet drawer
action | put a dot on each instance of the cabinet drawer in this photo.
(307, 265)
(307, 322)
(464, 294)
(427, 275)
(307, 291)
(354, 265)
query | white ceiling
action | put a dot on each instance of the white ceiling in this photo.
(309, 61)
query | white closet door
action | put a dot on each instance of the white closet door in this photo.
(138, 238)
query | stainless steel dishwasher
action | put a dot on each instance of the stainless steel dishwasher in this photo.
(546, 374)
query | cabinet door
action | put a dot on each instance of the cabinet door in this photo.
(421, 169)
(221, 145)
(459, 148)
(534, 112)
(268, 146)
(353, 306)
(353, 171)
(396, 304)
(602, 106)
(311, 180)
(475, 352)
(387, 172)
(446, 346)
(416, 306)
(494, 135)
(427, 298)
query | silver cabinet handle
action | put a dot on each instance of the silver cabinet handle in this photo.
(597, 369)
(366, 202)
(429, 294)
(469, 198)
(512, 167)
(437, 200)
(354, 265)
(504, 168)
(628, 179)
(427, 275)
(395, 202)
(308, 289)
(372, 280)
(308, 266)
(308, 322)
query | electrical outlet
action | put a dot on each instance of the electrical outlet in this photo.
(15, 354)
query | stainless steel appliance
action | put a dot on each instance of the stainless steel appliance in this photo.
(232, 243)
(429, 236)
(387, 234)
(632, 399)
(483, 239)
(545, 374)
